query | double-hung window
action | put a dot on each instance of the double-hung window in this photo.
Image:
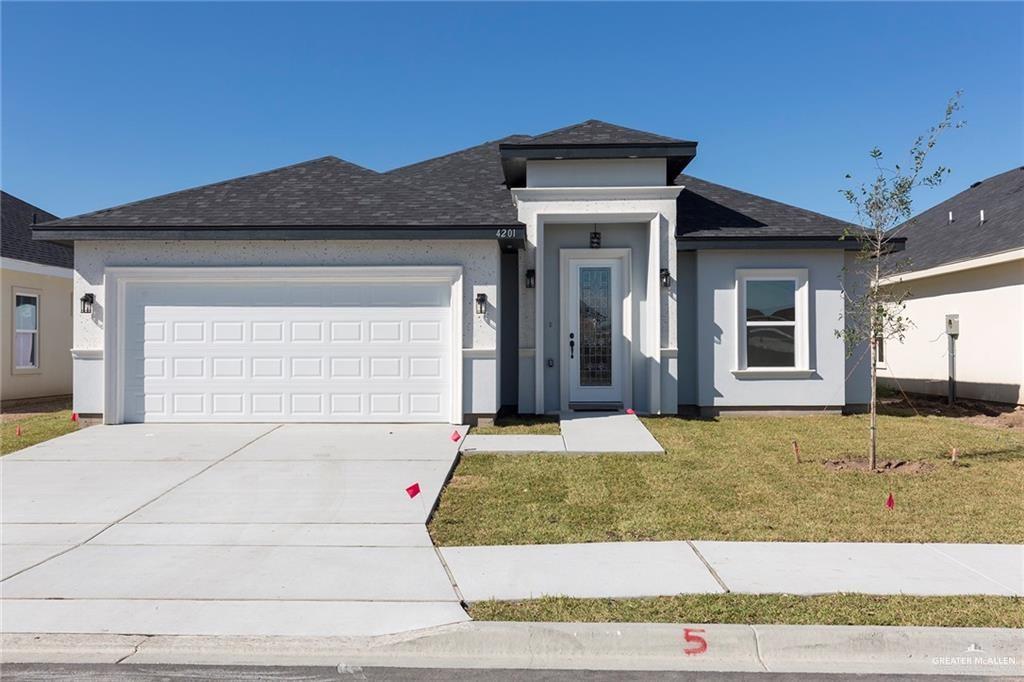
(773, 330)
(26, 331)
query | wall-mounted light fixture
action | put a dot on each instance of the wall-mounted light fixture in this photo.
(481, 303)
(666, 278)
(595, 240)
(87, 301)
(531, 278)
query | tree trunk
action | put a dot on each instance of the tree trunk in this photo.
(873, 448)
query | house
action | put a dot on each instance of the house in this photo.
(965, 268)
(577, 269)
(36, 278)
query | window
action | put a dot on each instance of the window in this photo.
(772, 326)
(26, 331)
(771, 323)
(880, 351)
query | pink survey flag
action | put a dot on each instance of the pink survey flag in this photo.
(413, 490)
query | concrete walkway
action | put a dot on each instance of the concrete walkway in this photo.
(301, 529)
(641, 569)
(582, 432)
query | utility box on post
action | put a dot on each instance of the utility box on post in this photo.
(953, 325)
(952, 332)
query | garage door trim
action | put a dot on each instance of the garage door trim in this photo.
(117, 280)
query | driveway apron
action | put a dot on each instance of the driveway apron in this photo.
(299, 529)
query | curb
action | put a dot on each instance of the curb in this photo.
(593, 646)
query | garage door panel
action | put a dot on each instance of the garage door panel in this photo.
(192, 361)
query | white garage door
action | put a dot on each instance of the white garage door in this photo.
(290, 351)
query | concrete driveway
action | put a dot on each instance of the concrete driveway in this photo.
(300, 529)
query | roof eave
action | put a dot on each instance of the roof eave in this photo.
(514, 156)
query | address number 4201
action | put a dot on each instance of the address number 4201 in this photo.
(505, 233)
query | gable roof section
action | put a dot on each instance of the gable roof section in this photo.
(708, 211)
(468, 175)
(324, 192)
(462, 189)
(16, 234)
(932, 240)
(600, 132)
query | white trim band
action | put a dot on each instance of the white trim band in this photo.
(35, 268)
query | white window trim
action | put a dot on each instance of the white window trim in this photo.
(36, 294)
(801, 335)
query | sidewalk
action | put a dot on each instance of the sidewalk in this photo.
(573, 646)
(647, 569)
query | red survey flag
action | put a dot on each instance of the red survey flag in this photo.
(455, 437)
(413, 490)
(890, 503)
(74, 416)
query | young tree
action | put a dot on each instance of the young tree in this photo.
(876, 313)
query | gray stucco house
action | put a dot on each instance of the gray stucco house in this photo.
(576, 269)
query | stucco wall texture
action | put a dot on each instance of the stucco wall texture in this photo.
(53, 377)
(990, 348)
(478, 259)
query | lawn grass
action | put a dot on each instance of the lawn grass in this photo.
(737, 479)
(34, 429)
(830, 609)
(515, 425)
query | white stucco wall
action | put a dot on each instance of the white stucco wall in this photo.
(479, 260)
(717, 336)
(655, 208)
(990, 348)
(596, 173)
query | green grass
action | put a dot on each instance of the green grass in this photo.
(521, 424)
(34, 429)
(831, 609)
(736, 479)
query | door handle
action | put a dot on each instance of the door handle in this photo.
(572, 345)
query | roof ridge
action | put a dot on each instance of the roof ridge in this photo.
(607, 123)
(328, 157)
(453, 153)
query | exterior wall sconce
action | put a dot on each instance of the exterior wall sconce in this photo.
(531, 278)
(595, 240)
(87, 301)
(666, 278)
(481, 304)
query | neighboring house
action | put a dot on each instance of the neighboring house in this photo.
(576, 269)
(36, 278)
(965, 258)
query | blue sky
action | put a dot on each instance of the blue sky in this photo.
(108, 103)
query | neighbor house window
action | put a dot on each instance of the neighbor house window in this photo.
(26, 331)
(772, 320)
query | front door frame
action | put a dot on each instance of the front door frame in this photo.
(625, 256)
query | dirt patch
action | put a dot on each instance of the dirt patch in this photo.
(889, 466)
(30, 408)
(979, 412)
(469, 482)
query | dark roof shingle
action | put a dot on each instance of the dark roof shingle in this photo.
(599, 132)
(932, 240)
(16, 217)
(324, 192)
(462, 188)
(707, 210)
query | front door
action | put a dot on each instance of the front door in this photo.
(593, 348)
